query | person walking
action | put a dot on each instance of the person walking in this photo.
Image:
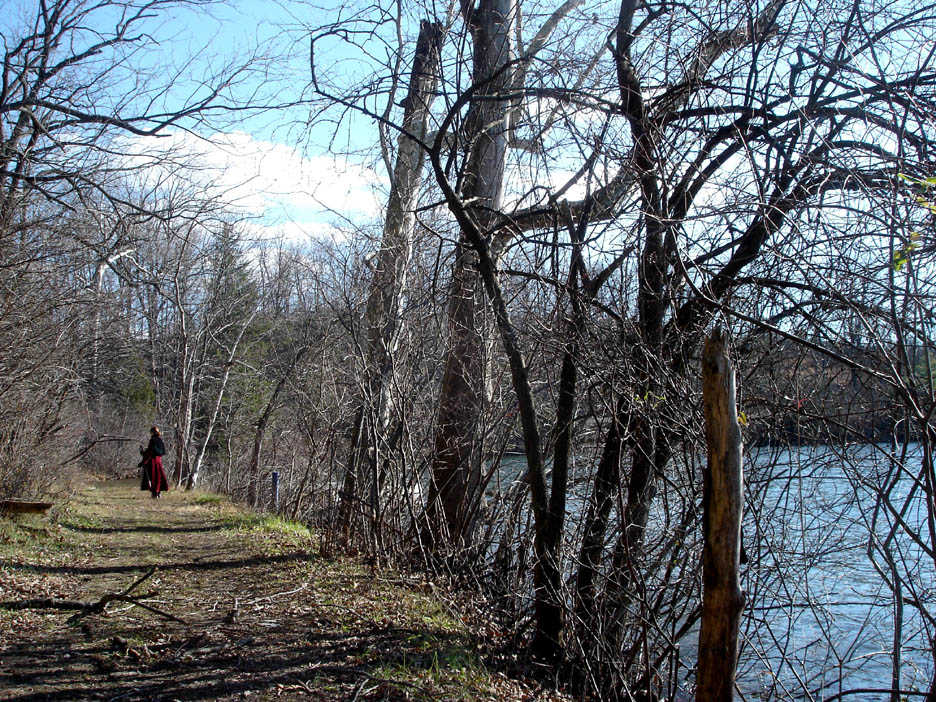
(154, 477)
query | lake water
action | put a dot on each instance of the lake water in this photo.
(820, 616)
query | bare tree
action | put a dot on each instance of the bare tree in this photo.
(79, 92)
(388, 286)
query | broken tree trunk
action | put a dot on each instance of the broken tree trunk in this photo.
(722, 501)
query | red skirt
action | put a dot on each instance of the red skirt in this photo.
(155, 475)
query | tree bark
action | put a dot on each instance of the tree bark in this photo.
(546, 571)
(722, 500)
(193, 476)
(499, 74)
(596, 520)
(455, 466)
(455, 470)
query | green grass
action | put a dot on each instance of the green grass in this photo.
(16, 537)
(33, 539)
(283, 534)
(429, 653)
(278, 535)
(72, 520)
(265, 524)
(209, 499)
(439, 667)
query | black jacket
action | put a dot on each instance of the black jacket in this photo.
(156, 446)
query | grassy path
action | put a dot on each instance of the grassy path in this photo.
(261, 618)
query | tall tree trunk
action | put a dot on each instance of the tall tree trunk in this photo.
(722, 501)
(388, 286)
(94, 394)
(547, 527)
(546, 572)
(498, 79)
(348, 496)
(456, 465)
(183, 423)
(597, 517)
(550, 611)
(194, 474)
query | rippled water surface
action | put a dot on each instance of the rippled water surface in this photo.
(822, 615)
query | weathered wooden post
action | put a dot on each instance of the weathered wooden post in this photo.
(722, 501)
(275, 476)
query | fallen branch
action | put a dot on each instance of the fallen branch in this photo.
(42, 603)
(86, 608)
(124, 596)
(130, 600)
(146, 576)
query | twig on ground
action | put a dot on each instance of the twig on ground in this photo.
(125, 694)
(277, 594)
(350, 670)
(101, 604)
(135, 601)
(302, 684)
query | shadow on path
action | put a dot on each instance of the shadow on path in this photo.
(287, 657)
(295, 557)
(149, 529)
(256, 615)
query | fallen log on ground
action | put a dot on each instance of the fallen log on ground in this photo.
(24, 507)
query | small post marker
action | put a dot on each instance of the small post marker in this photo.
(275, 476)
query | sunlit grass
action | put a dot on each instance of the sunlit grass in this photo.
(75, 520)
(265, 524)
(22, 537)
(436, 668)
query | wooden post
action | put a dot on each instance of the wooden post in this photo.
(722, 501)
(275, 486)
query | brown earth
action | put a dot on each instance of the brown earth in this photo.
(254, 614)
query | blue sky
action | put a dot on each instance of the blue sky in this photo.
(277, 164)
(271, 166)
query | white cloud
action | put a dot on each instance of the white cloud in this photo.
(273, 182)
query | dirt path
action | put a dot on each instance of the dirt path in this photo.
(260, 617)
